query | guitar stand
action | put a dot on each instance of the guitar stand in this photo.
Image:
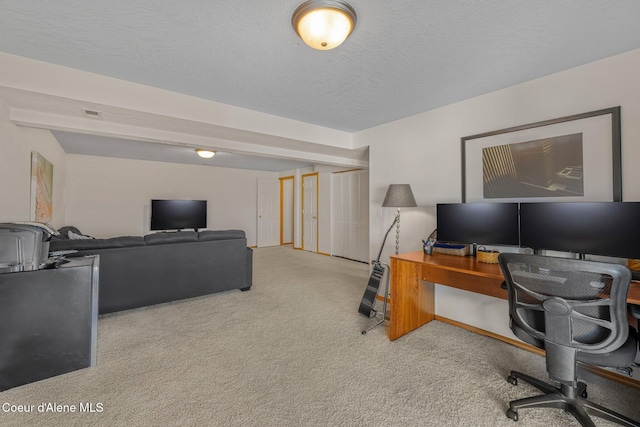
(384, 304)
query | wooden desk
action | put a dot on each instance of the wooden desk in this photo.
(412, 279)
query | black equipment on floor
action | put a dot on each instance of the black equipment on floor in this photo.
(369, 297)
(371, 292)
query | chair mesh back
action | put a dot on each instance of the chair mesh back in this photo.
(573, 303)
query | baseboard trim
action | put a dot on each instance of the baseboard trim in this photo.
(486, 333)
(620, 378)
(381, 298)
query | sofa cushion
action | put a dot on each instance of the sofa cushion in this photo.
(87, 244)
(221, 235)
(169, 238)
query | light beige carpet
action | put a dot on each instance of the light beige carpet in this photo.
(290, 353)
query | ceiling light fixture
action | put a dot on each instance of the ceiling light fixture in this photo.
(205, 154)
(324, 24)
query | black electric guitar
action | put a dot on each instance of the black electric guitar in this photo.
(370, 293)
(369, 297)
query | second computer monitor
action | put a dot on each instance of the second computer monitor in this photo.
(596, 228)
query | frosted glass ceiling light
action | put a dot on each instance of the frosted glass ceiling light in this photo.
(206, 154)
(324, 24)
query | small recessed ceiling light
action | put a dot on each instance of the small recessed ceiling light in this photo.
(205, 154)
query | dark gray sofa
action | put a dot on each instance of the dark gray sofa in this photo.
(163, 267)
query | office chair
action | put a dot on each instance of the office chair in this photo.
(634, 310)
(576, 311)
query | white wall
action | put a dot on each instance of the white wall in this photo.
(109, 197)
(424, 150)
(16, 144)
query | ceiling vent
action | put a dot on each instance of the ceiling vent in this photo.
(92, 114)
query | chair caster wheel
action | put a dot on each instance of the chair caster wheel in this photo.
(512, 414)
(364, 332)
(512, 380)
(584, 394)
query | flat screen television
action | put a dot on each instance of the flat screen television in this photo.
(178, 214)
(482, 223)
(596, 228)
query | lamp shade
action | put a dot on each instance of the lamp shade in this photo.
(399, 196)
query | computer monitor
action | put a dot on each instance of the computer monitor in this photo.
(482, 223)
(596, 228)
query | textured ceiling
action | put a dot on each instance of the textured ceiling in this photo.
(403, 58)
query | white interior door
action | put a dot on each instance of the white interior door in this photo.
(268, 212)
(338, 221)
(350, 210)
(310, 212)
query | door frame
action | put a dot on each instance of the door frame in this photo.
(293, 215)
(317, 207)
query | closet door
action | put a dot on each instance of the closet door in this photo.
(350, 213)
(337, 216)
(362, 251)
(310, 212)
(286, 210)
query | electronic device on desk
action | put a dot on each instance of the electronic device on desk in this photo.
(451, 249)
(478, 223)
(595, 228)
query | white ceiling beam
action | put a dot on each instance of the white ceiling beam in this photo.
(42, 120)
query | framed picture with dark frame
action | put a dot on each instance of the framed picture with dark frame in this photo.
(573, 158)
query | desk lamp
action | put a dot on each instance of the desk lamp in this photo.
(398, 196)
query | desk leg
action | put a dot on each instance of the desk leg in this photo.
(412, 300)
